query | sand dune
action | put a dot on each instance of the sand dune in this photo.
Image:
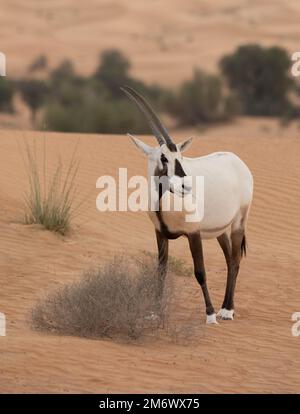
(254, 353)
(165, 40)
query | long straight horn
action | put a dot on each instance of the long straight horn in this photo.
(157, 127)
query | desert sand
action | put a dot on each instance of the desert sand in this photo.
(254, 353)
(165, 40)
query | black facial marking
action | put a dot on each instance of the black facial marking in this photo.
(178, 169)
(163, 227)
(163, 159)
(161, 173)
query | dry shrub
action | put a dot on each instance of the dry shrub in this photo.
(119, 300)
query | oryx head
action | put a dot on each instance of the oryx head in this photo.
(165, 160)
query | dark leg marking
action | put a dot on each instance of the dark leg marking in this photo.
(195, 243)
(233, 254)
(163, 250)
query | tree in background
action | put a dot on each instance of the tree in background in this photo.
(258, 80)
(6, 95)
(33, 92)
(65, 86)
(113, 70)
(260, 77)
(64, 72)
(96, 103)
(38, 64)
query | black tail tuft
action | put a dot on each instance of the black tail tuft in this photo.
(244, 246)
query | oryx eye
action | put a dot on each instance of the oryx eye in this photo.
(163, 159)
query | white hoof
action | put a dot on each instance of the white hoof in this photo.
(210, 319)
(226, 314)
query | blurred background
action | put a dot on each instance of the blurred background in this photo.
(200, 63)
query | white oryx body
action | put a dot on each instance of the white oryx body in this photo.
(228, 188)
(227, 197)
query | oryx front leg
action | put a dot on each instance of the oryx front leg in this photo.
(199, 269)
(163, 250)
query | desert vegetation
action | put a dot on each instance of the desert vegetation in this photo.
(118, 300)
(33, 93)
(49, 201)
(175, 265)
(261, 79)
(253, 80)
(95, 103)
(165, 45)
(201, 100)
(7, 91)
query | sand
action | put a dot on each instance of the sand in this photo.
(254, 353)
(165, 40)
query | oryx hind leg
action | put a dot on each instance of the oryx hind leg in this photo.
(233, 245)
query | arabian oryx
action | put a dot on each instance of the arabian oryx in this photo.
(228, 188)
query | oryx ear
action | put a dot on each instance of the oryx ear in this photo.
(183, 146)
(146, 149)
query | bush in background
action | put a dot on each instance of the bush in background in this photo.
(258, 83)
(260, 78)
(92, 113)
(40, 63)
(33, 93)
(200, 101)
(113, 71)
(7, 90)
(95, 104)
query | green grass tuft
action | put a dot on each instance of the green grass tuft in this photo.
(176, 266)
(50, 205)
